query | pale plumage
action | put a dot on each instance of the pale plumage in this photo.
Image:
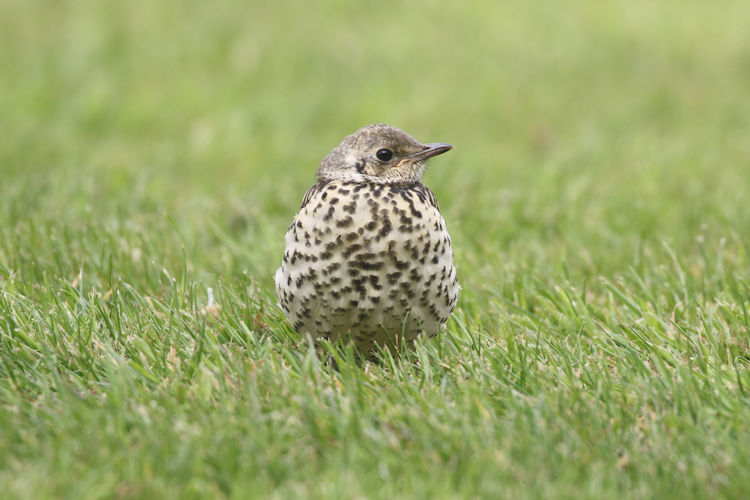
(368, 257)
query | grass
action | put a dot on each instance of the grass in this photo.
(597, 198)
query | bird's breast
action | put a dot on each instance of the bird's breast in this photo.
(360, 256)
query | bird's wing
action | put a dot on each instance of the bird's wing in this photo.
(316, 188)
(426, 195)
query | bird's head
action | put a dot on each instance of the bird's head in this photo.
(379, 153)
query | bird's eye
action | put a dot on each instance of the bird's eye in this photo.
(384, 154)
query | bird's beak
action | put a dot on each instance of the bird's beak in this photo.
(430, 149)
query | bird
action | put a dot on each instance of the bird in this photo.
(368, 258)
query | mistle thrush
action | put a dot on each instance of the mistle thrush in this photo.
(368, 258)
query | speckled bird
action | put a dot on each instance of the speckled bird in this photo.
(368, 258)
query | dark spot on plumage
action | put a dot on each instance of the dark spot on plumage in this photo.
(334, 201)
(331, 267)
(434, 312)
(393, 277)
(400, 264)
(324, 195)
(371, 225)
(350, 207)
(375, 281)
(386, 229)
(392, 248)
(351, 249)
(359, 286)
(346, 222)
(326, 255)
(329, 214)
(366, 266)
(351, 236)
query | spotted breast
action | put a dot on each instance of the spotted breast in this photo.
(369, 261)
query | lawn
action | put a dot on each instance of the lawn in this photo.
(597, 197)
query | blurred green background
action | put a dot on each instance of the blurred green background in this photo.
(597, 198)
(602, 122)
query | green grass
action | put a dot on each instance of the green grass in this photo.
(597, 197)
